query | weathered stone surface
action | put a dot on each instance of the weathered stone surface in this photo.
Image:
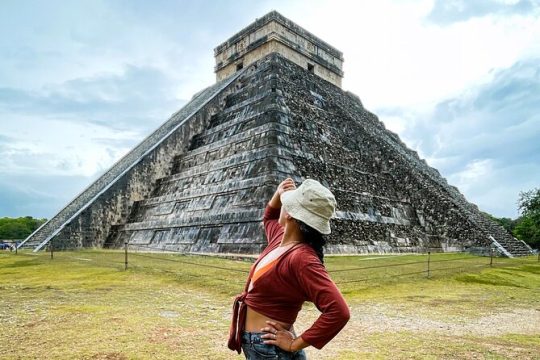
(273, 33)
(104, 206)
(200, 183)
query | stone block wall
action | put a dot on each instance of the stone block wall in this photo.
(212, 201)
(102, 209)
(388, 198)
(204, 188)
(275, 33)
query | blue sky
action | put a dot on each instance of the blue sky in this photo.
(82, 82)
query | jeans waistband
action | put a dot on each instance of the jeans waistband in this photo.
(252, 337)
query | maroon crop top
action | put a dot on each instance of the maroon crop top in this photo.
(297, 276)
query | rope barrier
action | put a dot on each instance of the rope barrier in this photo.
(381, 277)
(228, 256)
(98, 259)
(377, 266)
(459, 267)
(156, 249)
(509, 264)
(401, 264)
(458, 259)
(192, 263)
(424, 271)
(175, 273)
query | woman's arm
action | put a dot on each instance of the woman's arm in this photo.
(285, 185)
(271, 213)
(321, 290)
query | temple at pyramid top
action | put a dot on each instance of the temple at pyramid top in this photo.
(273, 33)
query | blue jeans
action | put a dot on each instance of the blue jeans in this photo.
(254, 349)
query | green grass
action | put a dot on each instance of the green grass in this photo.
(84, 305)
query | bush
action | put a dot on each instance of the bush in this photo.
(18, 228)
(528, 226)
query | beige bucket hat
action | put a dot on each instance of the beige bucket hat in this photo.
(312, 204)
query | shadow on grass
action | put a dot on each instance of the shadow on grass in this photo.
(489, 279)
(530, 269)
(21, 263)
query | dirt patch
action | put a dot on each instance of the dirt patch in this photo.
(169, 314)
(108, 356)
(174, 337)
(511, 351)
(381, 318)
(160, 335)
(372, 319)
(34, 323)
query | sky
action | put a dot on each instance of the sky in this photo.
(83, 82)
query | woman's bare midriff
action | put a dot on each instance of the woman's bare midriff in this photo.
(255, 321)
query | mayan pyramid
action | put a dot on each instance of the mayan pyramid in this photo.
(200, 182)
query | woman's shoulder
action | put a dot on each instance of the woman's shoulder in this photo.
(304, 255)
(306, 266)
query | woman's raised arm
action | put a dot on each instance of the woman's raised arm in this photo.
(285, 185)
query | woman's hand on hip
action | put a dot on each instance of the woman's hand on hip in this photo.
(277, 335)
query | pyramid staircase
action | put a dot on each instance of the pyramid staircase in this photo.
(213, 199)
(39, 238)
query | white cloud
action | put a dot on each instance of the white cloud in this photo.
(88, 80)
(486, 141)
(475, 171)
(395, 57)
(55, 147)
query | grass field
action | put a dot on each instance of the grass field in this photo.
(84, 305)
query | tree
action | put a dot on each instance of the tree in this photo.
(529, 202)
(18, 228)
(528, 226)
(507, 223)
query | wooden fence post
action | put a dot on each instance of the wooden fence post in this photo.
(126, 253)
(428, 262)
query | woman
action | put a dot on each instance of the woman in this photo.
(288, 272)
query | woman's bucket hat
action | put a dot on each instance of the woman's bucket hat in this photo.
(312, 204)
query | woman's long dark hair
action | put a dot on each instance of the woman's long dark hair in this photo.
(313, 238)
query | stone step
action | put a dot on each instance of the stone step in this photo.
(273, 124)
(236, 126)
(199, 167)
(88, 195)
(222, 156)
(194, 221)
(231, 185)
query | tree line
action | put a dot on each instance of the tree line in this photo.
(19, 228)
(527, 226)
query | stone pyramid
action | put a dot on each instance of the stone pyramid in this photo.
(200, 182)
